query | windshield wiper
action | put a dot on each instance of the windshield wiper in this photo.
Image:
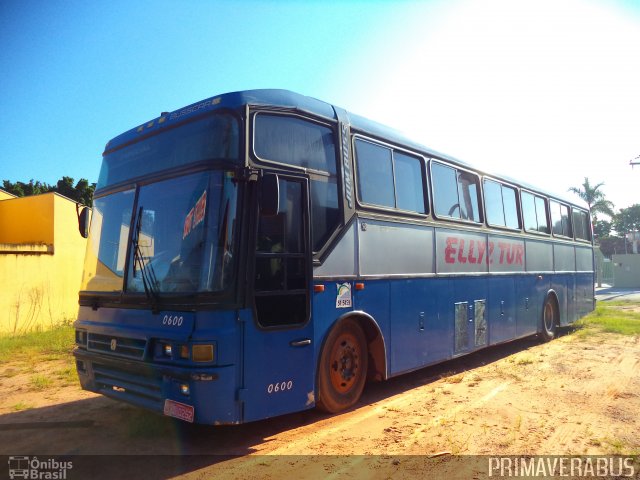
(148, 275)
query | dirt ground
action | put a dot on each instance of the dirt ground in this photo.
(577, 395)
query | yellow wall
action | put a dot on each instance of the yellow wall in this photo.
(41, 258)
(28, 219)
(5, 195)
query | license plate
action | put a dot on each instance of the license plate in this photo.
(178, 410)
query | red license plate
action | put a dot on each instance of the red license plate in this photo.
(179, 410)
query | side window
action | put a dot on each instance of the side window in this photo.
(560, 219)
(511, 217)
(455, 193)
(409, 182)
(534, 213)
(567, 231)
(500, 205)
(305, 144)
(389, 178)
(294, 141)
(445, 190)
(529, 212)
(325, 209)
(375, 174)
(581, 225)
(493, 203)
(541, 212)
(468, 196)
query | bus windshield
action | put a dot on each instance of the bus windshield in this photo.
(214, 137)
(179, 239)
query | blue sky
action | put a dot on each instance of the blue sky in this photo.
(541, 90)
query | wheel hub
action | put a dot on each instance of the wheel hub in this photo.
(345, 363)
(548, 317)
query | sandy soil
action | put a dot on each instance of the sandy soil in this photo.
(572, 396)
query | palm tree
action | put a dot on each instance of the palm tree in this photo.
(594, 198)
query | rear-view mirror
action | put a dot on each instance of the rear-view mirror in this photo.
(83, 222)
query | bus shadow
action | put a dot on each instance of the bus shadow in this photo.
(375, 392)
(94, 430)
(245, 438)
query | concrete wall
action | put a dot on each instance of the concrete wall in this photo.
(41, 260)
(626, 271)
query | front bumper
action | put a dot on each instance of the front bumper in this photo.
(211, 390)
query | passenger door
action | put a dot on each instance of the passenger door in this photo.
(278, 349)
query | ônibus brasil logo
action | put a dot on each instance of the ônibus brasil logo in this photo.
(33, 468)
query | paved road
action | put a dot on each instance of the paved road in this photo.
(612, 293)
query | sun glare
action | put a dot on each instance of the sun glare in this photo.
(523, 88)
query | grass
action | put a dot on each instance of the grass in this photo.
(25, 353)
(616, 446)
(48, 345)
(522, 359)
(20, 406)
(453, 378)
(612, 317)
(41, 382)
(67, 375)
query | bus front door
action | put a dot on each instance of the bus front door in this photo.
(278, 340)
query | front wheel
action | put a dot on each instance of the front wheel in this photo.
(343, 367)
(549, 319)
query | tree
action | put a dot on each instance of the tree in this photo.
(65, 187)
(21, 189)
(601, 229)
(85, 191)
(80, 192)
(613, 245)
(627, 220)
(595, 198)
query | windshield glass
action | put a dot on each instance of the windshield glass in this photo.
(215, 137)
(107, 245)
(182, 239)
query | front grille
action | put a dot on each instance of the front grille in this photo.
(122, 346)
(141, 387)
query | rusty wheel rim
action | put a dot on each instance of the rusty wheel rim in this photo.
(344, 365)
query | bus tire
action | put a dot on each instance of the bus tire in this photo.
(549, 319)
(342, 371)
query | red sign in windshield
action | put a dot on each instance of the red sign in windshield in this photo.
(195, 215)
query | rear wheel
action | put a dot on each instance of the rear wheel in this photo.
(549, 319)
(343, 367)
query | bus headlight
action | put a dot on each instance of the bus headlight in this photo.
(202, 353)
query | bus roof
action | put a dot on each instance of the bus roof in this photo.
(286, 99)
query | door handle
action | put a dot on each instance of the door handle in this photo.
(300, 343)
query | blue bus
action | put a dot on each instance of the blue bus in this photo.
(262, 252)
